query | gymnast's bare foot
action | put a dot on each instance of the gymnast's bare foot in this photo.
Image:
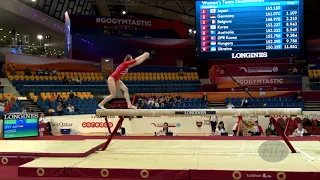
(132, 107)
(101, 106)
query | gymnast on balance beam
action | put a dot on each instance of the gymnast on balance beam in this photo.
(114, 81)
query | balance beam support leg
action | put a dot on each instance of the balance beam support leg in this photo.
(113, 133)
(276, 125)
(109, 129)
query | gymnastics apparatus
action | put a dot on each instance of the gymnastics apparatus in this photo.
(199, 112)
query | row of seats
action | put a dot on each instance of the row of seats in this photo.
(85, 106)
(52, 78)
(272, 102)
(44, 82)
(47, 95)
(162, 82)
(314, 75)
(197, 105)
(160, 76)
(83, 74)
(133, 74)
(8, 96)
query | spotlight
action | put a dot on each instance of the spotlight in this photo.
(190, 30)
(194, 31)
(123, 12)
(40, 37)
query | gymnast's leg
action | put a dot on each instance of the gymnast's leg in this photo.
(123, 87)
(113, 90)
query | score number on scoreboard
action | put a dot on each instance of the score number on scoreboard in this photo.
(249, 28)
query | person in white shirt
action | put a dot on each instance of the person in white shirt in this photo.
(299, 131)
(230, 105)
(70, 108)
(213, 122)
(23, 110)
(43, 119)
(2, 107)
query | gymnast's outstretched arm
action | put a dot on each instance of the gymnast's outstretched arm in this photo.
(140, 59)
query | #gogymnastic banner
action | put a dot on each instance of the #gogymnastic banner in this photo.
(260, 83)
(253, 70)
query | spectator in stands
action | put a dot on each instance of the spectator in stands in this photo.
(40, 72)
(178, 98)
(13, 102)
(71, 95)
(299, 97)
(52, 72)
(153, 96)
(12, 68)
(70, 108)
(156, 104)
(204, 98)
(108, 70)
(2, 108)
(65, 81)
(181, 73)
(53, 97)
(244, 103)
(30, 109)
(169, 100)
(151, 103)
(59, 98)
(23, 110)
(230, 105)
(299, 131)
(60, 108)
(4, 100)
(27, 72)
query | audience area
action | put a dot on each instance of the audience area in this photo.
(31, 81)
(147, 82)
(9, 104)
(272, 102)
(62, 103)
(168, 102)
(314, 78)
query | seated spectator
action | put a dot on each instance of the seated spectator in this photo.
(27, 72)
(71, 95)
(4, 100)
(244, 103)
(153, 96)
(30, 110)
(65, 81)
(46, 72)
(40, 72)
(151, 102)
(52, 72)
(230, 105)
(53, 97)
(23, 110)
(59, 98)
(181, 73)
(12, 68)
(2, 108)
(70, 108)
(156, 104)
(178, 98)
(204, 98)
(13, 102)
(299, 131)
(60, 108)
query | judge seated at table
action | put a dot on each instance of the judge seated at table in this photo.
(299, 131)
(165, 131)
(121, 131)
(221, 130)
(256, 130)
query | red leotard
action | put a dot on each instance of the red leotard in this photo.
(122, 69)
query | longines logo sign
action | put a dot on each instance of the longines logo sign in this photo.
(20, 116)
(117, 21)
(249, 55)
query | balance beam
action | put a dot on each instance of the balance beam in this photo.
(199, 112)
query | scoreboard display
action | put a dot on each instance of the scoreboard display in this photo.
(18, 126)
(244, 29)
